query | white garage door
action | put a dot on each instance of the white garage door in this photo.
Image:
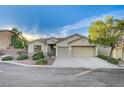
(63, 51)
(83, 51)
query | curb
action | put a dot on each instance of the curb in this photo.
(51, 66)
(121, 65)
(20, 64)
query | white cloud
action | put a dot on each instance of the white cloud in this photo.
(85, 23)
(31, 37)
(78, 27)
(32, 33)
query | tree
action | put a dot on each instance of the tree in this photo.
(17, 40)
(106, 32)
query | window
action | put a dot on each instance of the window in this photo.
(37, 48)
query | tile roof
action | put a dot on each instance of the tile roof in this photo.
(44, 40)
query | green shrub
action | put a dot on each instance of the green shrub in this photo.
(41, 62)
(7, 58)
(111, 60)
(103, 57)
(38, 55)
(22, 57)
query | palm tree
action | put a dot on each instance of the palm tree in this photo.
(17, 40)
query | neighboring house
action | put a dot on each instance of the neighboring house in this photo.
(5, 39)
(74, 45)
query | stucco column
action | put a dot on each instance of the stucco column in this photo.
(70, 51)
(46, 49)
(96, 51)
(56, 50)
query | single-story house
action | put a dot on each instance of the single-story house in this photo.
(74, 45)
(5, 39)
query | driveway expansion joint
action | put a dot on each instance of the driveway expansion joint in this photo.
(83, 73)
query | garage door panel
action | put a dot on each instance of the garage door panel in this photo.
(63, 51)
(83, 51)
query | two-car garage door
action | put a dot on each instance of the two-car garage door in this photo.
(76, 51)
(81, 51)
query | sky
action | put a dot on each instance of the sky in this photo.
(46, 21)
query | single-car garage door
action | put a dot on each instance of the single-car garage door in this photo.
(63, 51)
(85, 51)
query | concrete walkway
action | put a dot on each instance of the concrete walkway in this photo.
(86, 62)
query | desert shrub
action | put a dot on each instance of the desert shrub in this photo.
(41, 62)
(38, 55)
(22, 57)
(7, 58)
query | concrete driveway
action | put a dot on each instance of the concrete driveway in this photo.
(83, 62)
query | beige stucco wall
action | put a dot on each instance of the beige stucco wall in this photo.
(66, 41)
(82, 41)
(31, 46)
(5, 39)
(117, 52)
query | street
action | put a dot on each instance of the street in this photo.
(19, 76)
